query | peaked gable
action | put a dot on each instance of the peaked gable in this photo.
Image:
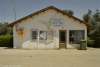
(45, 9)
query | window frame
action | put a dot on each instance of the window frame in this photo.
(33, 39)
(76, 36)
(40, 34)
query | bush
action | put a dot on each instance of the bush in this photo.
(93, 42)
(6, 41)
(97, 42)
(90, 42)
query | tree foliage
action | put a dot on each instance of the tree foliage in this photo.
(69, 12)
(6, 41)
(4, 29)
(93, 19)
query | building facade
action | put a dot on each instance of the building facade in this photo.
(49, 28)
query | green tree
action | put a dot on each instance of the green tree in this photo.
(93, 19)
(69, 12)
(4, 29)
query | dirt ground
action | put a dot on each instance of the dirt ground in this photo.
(49, 58)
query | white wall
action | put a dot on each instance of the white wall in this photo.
(37, 22)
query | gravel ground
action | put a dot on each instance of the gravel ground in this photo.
(49, 58)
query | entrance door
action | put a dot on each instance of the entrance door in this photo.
(62, 38)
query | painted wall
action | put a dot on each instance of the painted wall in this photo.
(42, 23)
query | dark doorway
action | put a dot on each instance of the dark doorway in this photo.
(62, 39)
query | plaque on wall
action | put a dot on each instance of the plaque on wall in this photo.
(56, 22)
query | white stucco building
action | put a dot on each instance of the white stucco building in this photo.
(49, 28)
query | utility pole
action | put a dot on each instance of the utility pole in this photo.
(15, 13)
(14, 9)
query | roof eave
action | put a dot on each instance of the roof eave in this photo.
(50, 7)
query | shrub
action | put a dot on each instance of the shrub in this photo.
(97, 42)
(93, 42)
(90, 42)
(6, 41)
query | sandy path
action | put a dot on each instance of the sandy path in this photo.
(49, 58)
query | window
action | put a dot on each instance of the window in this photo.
(75, 36)
(34, 35)
(43, 35)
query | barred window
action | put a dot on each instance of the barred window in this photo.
(34, 35)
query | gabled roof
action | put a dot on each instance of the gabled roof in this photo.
(45, 9)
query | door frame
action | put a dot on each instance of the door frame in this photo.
(65, 38)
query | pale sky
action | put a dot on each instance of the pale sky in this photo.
(26, 7)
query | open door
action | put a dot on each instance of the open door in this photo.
(62, 39)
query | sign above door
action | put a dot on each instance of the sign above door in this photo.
(57, 22)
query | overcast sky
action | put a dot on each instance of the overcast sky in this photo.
(26, 7)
